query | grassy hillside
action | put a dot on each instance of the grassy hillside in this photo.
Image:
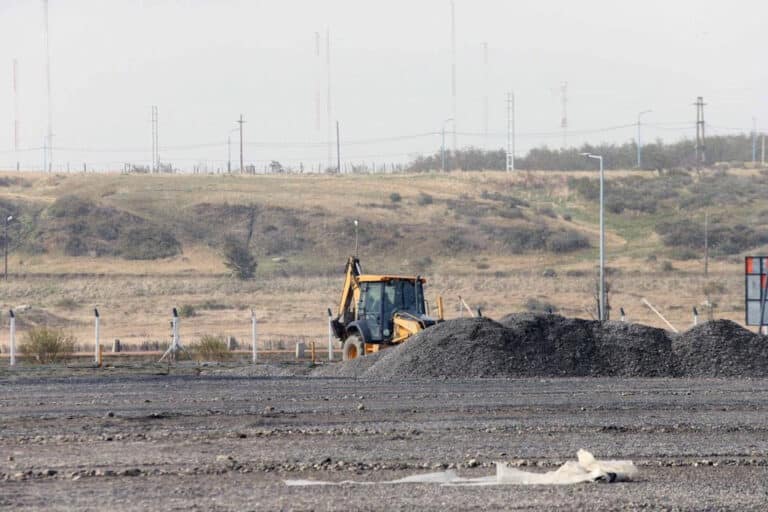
(141, 244)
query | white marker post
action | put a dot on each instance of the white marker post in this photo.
(254, 348)
(96, 335)
(695, 316)
(173, 350)
(330, 335)
(12, 340)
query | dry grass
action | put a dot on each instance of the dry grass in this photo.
(136, 297)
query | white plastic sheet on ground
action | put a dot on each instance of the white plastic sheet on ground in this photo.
(585, 469)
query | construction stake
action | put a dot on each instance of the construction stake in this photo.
(659, 315)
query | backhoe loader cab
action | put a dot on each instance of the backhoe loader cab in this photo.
(377, 311)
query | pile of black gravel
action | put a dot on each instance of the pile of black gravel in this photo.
(721, 349)
(536, 345)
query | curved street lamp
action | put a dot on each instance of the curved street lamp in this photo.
(601, 313)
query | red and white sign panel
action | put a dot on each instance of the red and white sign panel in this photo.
(756, 274)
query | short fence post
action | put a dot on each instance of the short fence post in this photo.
(695, 316)
(330, 335)
(12, 340)
(623, 316)
(96, 357)
(254, 349)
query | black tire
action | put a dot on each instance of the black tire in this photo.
(353, 348)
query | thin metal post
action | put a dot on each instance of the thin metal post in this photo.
(762, 152)
(5, 246)
(254, 346)
(602, 244)
(356, 236)
(96, 336)
(12, 340)
(330, 336)
(695, 316)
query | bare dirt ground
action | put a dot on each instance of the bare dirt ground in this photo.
(207, 438)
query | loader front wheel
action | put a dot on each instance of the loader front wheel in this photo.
(353, 348)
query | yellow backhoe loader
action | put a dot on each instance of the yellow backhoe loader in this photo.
(378, 311)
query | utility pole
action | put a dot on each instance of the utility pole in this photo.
(338, 150)
(49, 140)
(701, 155)
(510, 131)
(155, 140)
(318, 82)
(564, 113)
(240, 122)
(762, 152)
(754, 140)
(15, 112)
(485, 92)
(453, 72)
(640, 139)
(328, 95)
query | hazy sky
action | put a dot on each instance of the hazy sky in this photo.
(203, 62)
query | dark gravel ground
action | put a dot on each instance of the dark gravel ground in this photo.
(99, 440)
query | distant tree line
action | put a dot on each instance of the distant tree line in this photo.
(655, 155)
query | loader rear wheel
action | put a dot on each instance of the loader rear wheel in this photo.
(353, 348)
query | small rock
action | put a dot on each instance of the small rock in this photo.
(472, 463)
(110, 414)
(360, 407)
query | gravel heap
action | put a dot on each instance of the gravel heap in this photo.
(721, 349)
(531, 345)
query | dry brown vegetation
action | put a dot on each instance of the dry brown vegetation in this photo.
(502, 241)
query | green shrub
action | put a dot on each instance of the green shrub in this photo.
(211, 348)
(666, 266)
(424, 199)
(395, 197)
(537, 306)
(75, 246)
(47, 345)
(566, 241)
(547, 211)
(147, 243)
(71, 206)
(239, 259)
(187, 311)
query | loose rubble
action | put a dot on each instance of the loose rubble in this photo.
(535, 345)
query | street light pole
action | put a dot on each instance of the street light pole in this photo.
(5, 244)
(442, 145)
(640, 139)
(601, 315)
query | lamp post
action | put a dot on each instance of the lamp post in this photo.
(640, 139)
(442, 145)
(5, 244)
(601, 314)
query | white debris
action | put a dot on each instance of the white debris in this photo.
(586, 469)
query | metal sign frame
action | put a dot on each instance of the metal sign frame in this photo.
(755, 290)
